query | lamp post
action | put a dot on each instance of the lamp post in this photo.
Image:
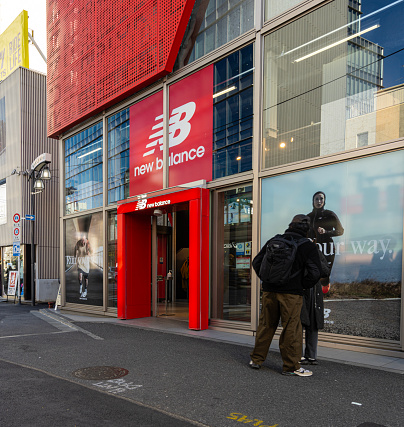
(37, 175)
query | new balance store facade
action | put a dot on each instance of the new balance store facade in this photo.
(179, 162)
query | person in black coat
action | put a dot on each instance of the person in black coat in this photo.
(285, 303)
(312, 316)
(324, 225)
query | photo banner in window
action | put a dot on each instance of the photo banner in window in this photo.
(356, 211)
(84, 260)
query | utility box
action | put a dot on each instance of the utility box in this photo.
(46, 290)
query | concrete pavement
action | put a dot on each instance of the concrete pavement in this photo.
(199, 378)
(369, 360)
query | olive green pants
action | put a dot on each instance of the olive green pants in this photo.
(286, 307)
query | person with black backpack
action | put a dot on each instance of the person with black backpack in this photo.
(287, 264)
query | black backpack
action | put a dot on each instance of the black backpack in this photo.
(277, 263)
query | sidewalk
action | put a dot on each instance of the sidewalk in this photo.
(381, 362)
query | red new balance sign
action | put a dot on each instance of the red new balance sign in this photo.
(146, 132)
(190, 135)
(191, 128)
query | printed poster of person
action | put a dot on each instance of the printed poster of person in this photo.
(356, 220)
(84, 260)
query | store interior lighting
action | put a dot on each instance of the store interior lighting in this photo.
(337, 43)
(222, 92)
(90, 152)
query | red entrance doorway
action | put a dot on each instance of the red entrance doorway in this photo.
(135, 259)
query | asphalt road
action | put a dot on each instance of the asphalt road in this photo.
(172, 380)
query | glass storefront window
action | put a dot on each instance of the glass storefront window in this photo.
(333, 81)
(365, 248)
(212, 24)
(233, 295)
(112, 234)
(274, 8)
(84, 259)
(233, 113)
(83, 170)
(118, 156)
(10, 263)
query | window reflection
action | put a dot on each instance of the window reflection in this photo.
(118, 156)
(233, 113)
(333, 81)
(212, 24)
(83, 170)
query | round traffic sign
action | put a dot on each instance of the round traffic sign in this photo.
(16, 217)
(16, 231)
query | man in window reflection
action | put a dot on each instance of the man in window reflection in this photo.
(83, 251)
(324, 225)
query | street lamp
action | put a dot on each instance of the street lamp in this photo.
(38, 173)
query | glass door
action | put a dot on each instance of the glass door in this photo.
(172, 264)
(231, 298)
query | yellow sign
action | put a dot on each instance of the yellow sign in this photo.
(14, 46)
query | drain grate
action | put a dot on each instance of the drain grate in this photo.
(100, 373)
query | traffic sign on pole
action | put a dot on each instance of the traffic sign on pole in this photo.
(16, 232)
(16, 217)
(16, 249)
(30, 217)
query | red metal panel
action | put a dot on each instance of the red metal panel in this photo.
(195, 264)
(101, 51)
(121, 258)
(199, 262)
(134, 299)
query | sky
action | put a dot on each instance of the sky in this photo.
(10, 9)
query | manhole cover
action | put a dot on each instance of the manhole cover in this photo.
(100, 373)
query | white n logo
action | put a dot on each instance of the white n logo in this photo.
(141, 204)
(179, 127)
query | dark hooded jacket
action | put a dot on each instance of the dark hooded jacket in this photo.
(312, 315)
(307, 262)
(320, 217)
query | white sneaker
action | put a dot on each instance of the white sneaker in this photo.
(84, 293)
(299, 373)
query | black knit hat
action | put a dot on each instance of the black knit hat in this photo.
(300, 219)
(300, 222)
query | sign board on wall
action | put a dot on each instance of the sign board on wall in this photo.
(190, 135)
(14, 46)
